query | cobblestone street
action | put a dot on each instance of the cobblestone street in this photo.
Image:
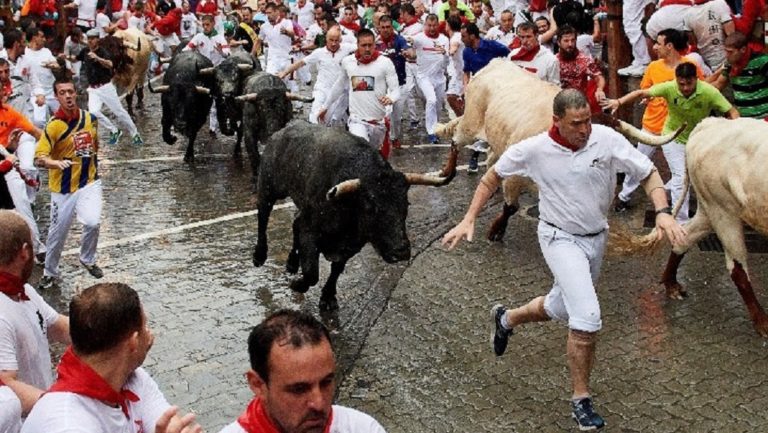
(412, 338)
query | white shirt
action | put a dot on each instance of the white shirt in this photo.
(214, 48)
(345, 420)
(456, 61)
(366, 84)
(102, 21)
(304, 15)
(575, 188)
(497, 34)
(24, 338)
(86, 13)
(706, 22)
(312, 33)
(279, 44)
(188, 25)
(10, 411)
(139, 23)
(544, 65)
(412, 30)
(328, 64)
(430, 62)
(42, 76)
(59, 412)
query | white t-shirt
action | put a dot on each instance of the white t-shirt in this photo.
(42, 76)
(188, 25)
(304, 15)
(345, 420)
(456, 61)
(102, 21)
(328, 64)
(214, 48)
(430, 62)
(10, 411)
(24, 338)
(409, 32)
(366, 84)
(499, 35)
(59, 412)
(279, 44)
(575, 188)
(706, 22)
(545, 65)
(86, 13)
(139, 23)
(585, 44)
(312, 33)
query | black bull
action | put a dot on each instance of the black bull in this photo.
(347, 195)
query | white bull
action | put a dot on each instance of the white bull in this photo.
(504, 104)
(139, 49)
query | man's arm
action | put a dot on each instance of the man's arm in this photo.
(733, 113)
(489, 183)
(393, 86)
(614, 104)
(59, 331)
(665, 222)
(27, 394)
(291, 69)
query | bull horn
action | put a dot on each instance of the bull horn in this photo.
(207, 71)
(165, 59)
(159, 89)
(633, 133)
(131, 46)
(203, 90)
(345, 187)
(248, 97)
(295, 97)
(245, 68)
(426, 179)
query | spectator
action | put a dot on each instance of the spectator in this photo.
(578, 70)
(748, 74)
(709, 23)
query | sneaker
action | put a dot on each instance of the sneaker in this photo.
(114, 137)
(632, 71)
(47, 282)
(137, 140)
(432, 138)
(40, 257)
(472, 167)
(500, 335)
(94, 270)
(396, 144)
(585, 416)
(621, 206)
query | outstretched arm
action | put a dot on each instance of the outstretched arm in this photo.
(489, 183)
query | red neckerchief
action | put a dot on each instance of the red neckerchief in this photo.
(61, 114)
(12, 286)
(737, 68)
(525, 55)
(387, 41)
(255, 420)
(8, 86)
(77, 377)
(433, 35)
(363, 61)
(554, 134)
(411, 22)
(354, 26)
(515, 44)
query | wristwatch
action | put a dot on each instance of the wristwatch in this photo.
(667, 210)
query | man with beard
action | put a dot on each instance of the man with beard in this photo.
(579, 71)
(27, 322)
(293, 371)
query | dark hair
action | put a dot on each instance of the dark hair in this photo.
(365, 32)
(63, 79)
(270, 5)
(102, 316)
(3, 62)
(32, 32)
(527, 25)
(736, 40)
(568, 98)
(542, 18)
(566, 30)
(283, 327)
(408, 8)
(674, 37)
(471, 29)
(431, 17)
(329, 19)
(385, 18)
(454, 23)
(686, 70)
(11, 36)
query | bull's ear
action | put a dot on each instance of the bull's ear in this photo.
(346, 187)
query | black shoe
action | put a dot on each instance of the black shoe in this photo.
(500, 334)
(621, 206)
(472, 167)
(94, 270)
(46, 283)
(585, 416)
(40, 258)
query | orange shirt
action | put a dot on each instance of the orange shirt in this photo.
(11, 119)
(656, 111)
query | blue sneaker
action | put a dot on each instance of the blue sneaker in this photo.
(585, 416)
(136, 140)
(114, 137)
(432, 138)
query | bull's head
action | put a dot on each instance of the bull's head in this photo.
(229, 77)
(184, 97)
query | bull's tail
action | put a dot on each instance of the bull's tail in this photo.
(686, 186)
(446, 130)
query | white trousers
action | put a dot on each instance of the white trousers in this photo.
(674, 152)
(107, 95)
(86, 203)
(409, 93)
(373, 133)
(337, 112)
(22, 194)
(632, 15)
(434, 97)
(575, 264)
(396, 119)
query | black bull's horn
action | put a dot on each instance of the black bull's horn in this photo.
(353, 185)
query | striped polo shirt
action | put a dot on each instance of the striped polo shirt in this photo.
(750, 88)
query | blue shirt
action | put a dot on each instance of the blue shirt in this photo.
(394, 50)
(474, 60)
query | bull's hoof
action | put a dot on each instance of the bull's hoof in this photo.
(675, 291)
(171, 139)
(190, 159)
(761, 324)
(299, 286)
(329, 304)
(259, 256)
(292, 265)
(496, 234)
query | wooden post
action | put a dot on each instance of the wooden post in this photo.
(619, 52)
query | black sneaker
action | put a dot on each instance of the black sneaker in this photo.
(621, 206)
(47, 282)
(94, 270)
(472, 167)
(500, 334)
(585, 416)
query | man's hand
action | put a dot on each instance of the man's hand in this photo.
(61, 164)
(666, 225)
(385, 100)
(464, 230)
(612, 104)
(170, 422)
(40, 100)
(599, 95)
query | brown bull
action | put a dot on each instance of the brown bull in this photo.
(138, 48)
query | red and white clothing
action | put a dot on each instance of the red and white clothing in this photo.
(24, 334)
(581, 73)
(431, 63)
(188, 25)
(278, 54)
(102, 22)
(342, 420)
(305, 15)
(86, 13)
(706, 22)
(669, 15)
(499, 35)
(328, 66)
(632, 15)
(138, 22)
(213, 46)
(543, 63)
(82, 401)
(43, 79)
(10, 410)
(409, 31)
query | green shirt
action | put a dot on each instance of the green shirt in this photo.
(750, 88)
(692, 110)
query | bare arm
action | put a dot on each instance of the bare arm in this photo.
(614, 104)
(27, 394)
(291, 69)
(59, 331)
(489, 183)
(665, 223)
(733, 113)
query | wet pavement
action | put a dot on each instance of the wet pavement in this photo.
(412, 338)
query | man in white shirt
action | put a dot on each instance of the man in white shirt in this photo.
(101, 386)
(431, 48)
(327, 62)
(293, 375)
(710, 22)
(277, 33)
(574, 165)
(412, 26)
(10, 410)
(304, 11)
(40, 61)
(27, 322)
(189, 23)
(532, 57)
(503, 33)
(138, 20)
(372, 83)
(86, 13)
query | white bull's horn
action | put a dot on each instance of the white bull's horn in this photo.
(345, 187)
(165, 59)
(631, 132)
(131, 46)
(245, 68)
(207, 71)
(160, 89)
(425, 179)
(295, 97)
(248, 97)
(203, 90)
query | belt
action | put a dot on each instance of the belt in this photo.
(586, 235)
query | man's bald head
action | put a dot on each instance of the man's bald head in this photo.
(334, 31)
(15, 233)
